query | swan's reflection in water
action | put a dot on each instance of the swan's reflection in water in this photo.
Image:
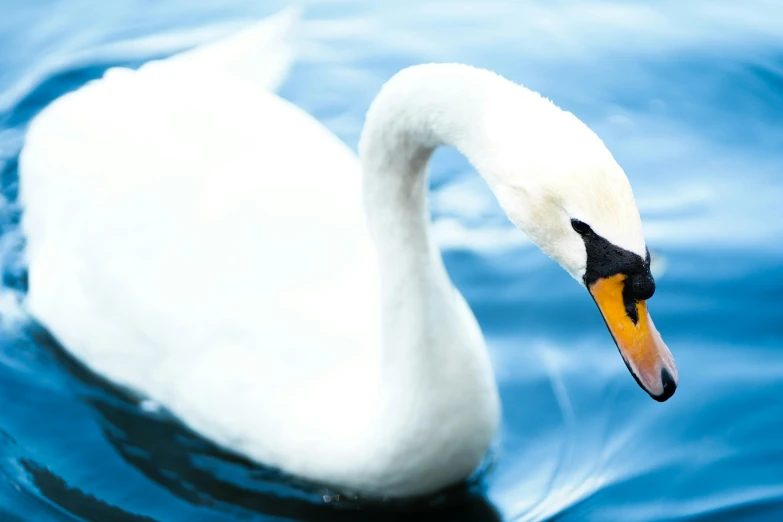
(202, 474)
(73, 500)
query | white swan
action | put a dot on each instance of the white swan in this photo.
(210, 245)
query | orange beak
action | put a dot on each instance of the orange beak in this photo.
(644, 352)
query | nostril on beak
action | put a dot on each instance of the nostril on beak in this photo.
(669, 386)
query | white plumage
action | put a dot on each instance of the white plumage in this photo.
(198, 239)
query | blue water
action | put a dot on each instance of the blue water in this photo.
(687, 95)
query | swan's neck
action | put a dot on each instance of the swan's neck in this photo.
(417, 111)
(432, 349)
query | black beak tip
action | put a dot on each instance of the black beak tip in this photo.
(669, 386)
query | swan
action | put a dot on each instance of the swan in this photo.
(197, 239)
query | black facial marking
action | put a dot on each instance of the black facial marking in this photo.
(630, 302)
(606, 260)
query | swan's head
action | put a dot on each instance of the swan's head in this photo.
(562, 187)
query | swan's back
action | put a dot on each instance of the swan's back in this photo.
(181, 228)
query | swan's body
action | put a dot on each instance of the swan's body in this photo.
(200, 240)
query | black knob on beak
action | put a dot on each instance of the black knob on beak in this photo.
(642, 286)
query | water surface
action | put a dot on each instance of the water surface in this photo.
(689, 98)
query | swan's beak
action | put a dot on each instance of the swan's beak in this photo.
(644, 352)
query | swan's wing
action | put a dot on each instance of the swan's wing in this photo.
(202, 241)
(261, 54)
(166, 218)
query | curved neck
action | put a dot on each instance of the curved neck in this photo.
(418, 110)
(430, 337)
(434, 365)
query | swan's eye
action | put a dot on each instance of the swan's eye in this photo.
(581, 227)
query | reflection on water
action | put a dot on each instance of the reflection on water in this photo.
(198, 472)
(687, 96)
